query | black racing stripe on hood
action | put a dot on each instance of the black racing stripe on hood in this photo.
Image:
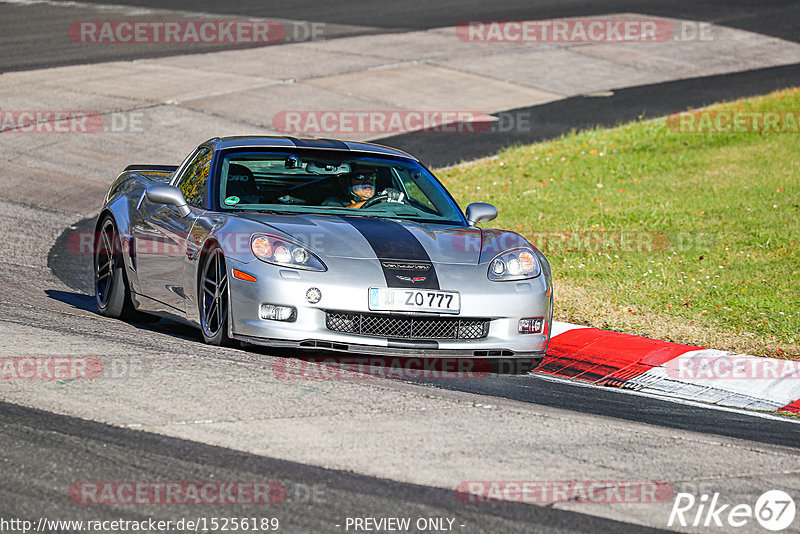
(404, 261)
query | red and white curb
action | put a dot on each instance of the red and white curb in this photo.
(606, 358)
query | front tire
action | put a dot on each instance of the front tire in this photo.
(213, 299)
(111, 289)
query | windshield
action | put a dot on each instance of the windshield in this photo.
(346, 185)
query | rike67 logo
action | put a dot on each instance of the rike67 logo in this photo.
(774, 510)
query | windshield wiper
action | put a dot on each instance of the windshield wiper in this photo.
(265, 210)
(422, 219)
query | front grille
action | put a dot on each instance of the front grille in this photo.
(404, 327)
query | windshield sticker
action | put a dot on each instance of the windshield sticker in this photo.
(231, 201)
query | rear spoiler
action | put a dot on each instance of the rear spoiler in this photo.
(151, 168)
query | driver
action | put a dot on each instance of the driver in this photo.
(362, 189)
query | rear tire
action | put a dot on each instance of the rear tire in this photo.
(212, 299)
(111, 288)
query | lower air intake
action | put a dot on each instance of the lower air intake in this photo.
(404, 327)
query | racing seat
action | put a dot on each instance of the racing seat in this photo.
(241, 183)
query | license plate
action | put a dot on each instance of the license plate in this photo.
(429, 300)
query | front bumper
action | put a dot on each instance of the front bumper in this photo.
(394, 349)
(503, 304)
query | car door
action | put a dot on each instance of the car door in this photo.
(161, 237)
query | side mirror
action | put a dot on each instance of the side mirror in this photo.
(480, 212)
(169, 195)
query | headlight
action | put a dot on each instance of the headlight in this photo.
(516, 264)
(274, 249)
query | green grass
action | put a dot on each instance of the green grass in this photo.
(717, 217)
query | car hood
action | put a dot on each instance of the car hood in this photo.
(387, 239)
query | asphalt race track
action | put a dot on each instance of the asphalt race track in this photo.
(374, 448)
(24, 29)
(542, 391)
(579, 112)
(73, 447)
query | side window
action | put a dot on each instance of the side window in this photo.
(195, 177)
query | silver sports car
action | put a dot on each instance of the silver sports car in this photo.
(319, 244)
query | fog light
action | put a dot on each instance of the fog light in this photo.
(531, 325)
(277, 313)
